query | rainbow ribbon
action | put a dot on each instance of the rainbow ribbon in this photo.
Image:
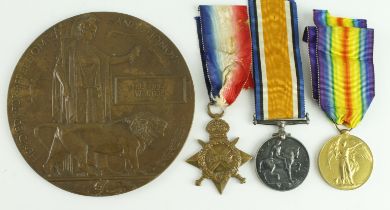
(277, 68)
(341, 63)
(224, 39)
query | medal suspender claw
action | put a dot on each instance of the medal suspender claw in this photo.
(224, 39)
(282, 162)
(341, 63)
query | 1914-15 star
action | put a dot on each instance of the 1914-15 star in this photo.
(219, 159)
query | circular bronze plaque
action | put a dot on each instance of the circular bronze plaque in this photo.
(100, 104)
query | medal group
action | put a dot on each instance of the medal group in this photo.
(101, 103)
(341, 64)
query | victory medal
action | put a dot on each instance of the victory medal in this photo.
(341, 62)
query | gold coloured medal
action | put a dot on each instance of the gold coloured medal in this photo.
(343, 84)
(345, 161)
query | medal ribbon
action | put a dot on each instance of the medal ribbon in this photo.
(277, 68)
(224, 39)
(341, 62)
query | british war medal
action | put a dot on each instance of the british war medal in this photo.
(282, 162)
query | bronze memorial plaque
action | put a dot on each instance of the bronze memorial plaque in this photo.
(100, 104)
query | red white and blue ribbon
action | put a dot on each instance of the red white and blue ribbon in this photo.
(224, 39)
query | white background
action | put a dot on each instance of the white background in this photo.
(21, 188)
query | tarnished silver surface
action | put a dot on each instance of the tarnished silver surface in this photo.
(282, 164)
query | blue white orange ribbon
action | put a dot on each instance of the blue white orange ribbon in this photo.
(224, 38)
(277, 68)
(341, 62)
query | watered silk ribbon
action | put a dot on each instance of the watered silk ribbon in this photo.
(341, 62)
(277, 68)
(224, 39)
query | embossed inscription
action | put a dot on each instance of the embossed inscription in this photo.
(16, 122)
(63, 95)
(150, 35)
(149, 90)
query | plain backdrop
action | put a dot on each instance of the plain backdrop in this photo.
(22, 189)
